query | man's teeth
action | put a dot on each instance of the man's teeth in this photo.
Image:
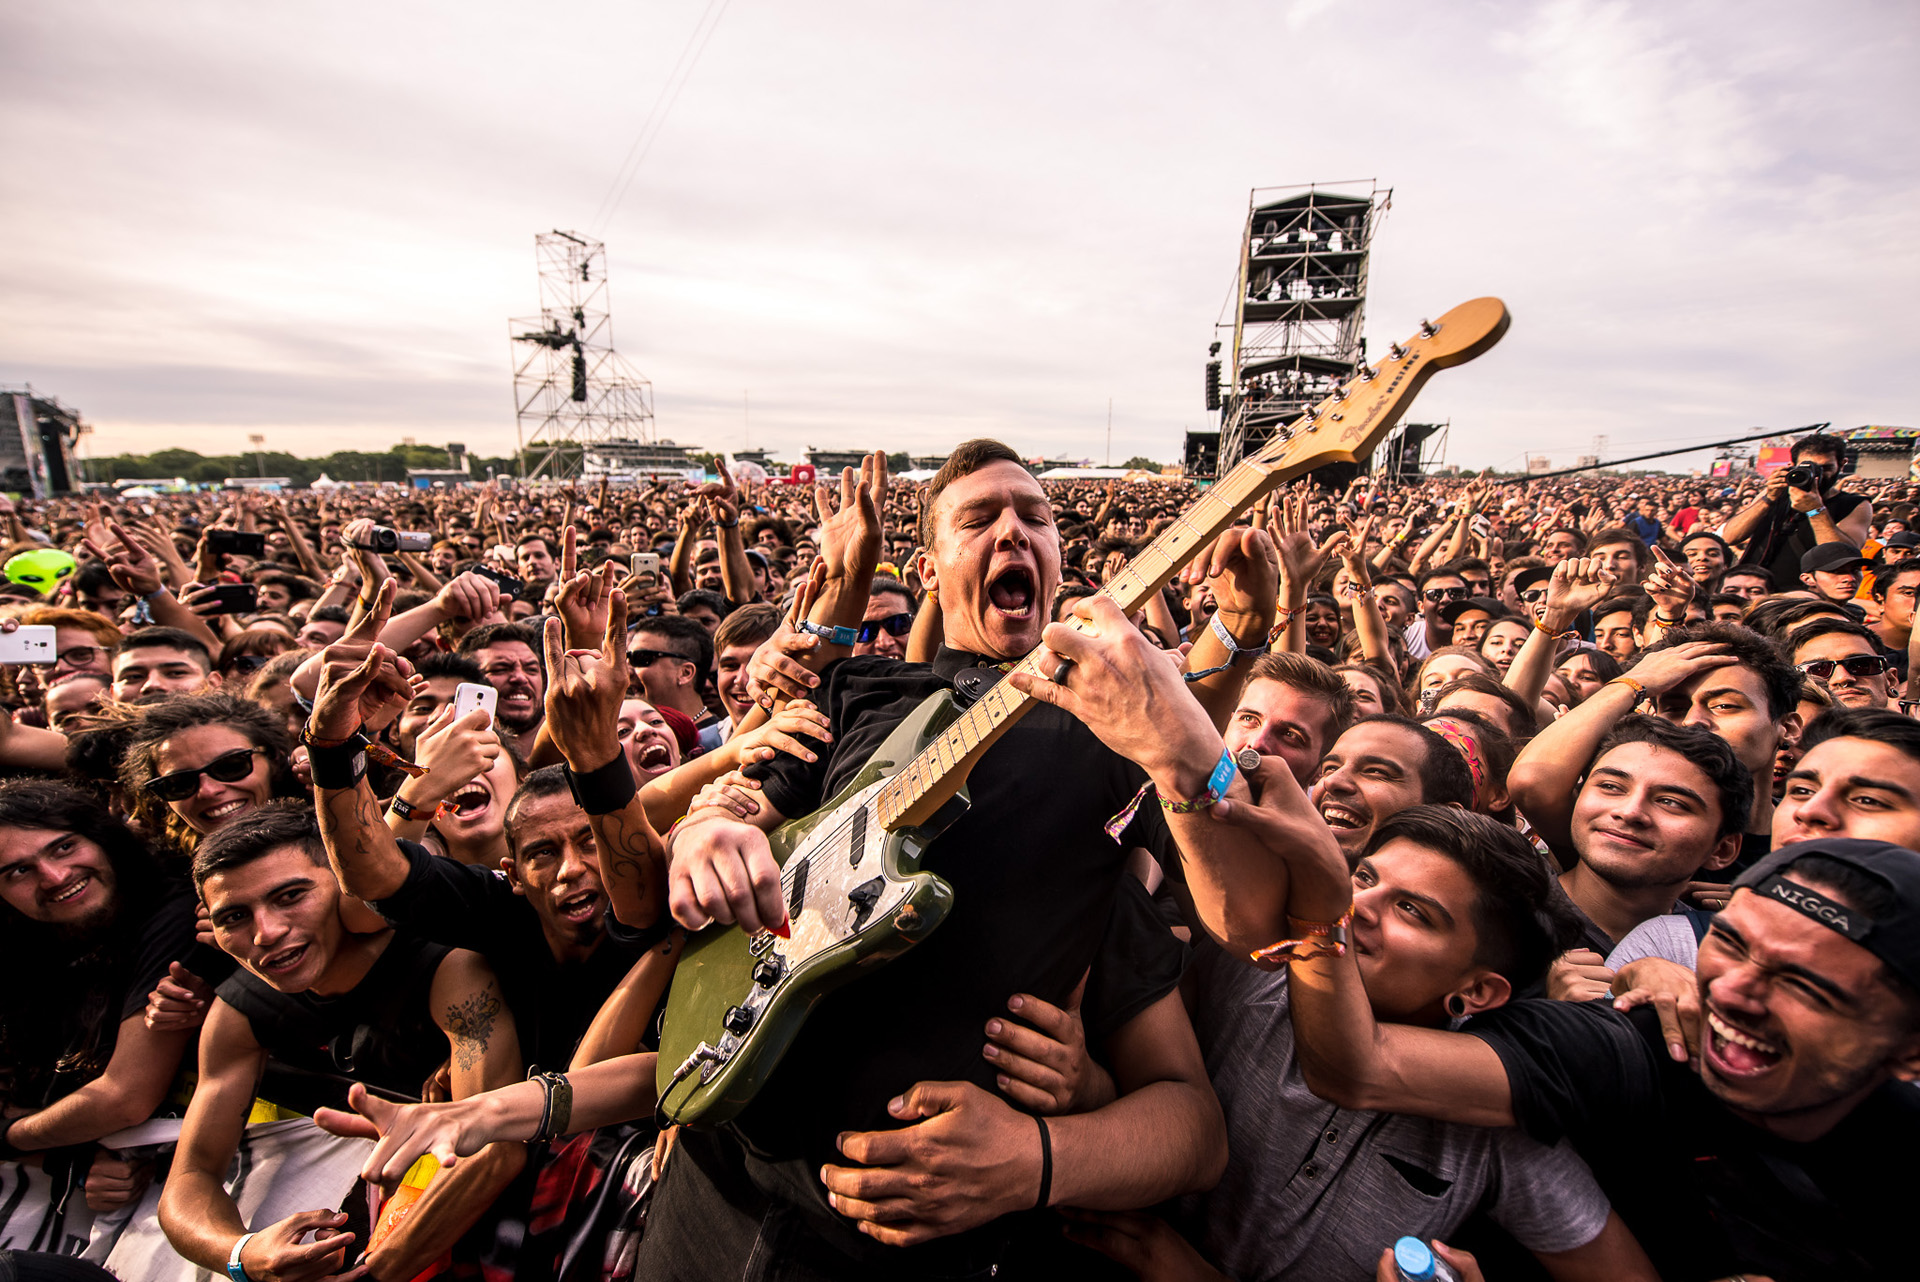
(70, 892)
(1728, 1033)
(1339, 817)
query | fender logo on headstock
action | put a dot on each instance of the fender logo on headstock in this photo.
(1357, 430)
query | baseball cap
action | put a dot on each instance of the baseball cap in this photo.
(1892, 934)
(1452, 610)
(1832, 558)
(1904, 539)
(1531, 576)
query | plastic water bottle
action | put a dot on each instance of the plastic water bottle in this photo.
(1413, 1261)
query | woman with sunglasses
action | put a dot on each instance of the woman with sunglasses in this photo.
(196, 762)
(245, 653)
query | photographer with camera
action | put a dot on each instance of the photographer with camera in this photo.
(1800, 508)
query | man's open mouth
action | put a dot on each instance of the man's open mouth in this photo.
(1012, 591)
(1736, 1052)
(580, 908)
(283, 961)
(1339, 818)
(73, 891)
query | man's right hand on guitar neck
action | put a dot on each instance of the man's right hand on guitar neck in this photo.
(722, 870)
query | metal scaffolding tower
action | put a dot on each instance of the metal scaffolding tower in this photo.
(573, 395)
(1299, 300)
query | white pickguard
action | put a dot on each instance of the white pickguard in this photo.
(826, 914)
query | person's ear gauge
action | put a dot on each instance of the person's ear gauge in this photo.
(1483, 991)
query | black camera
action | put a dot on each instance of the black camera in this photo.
(1803, 476)
(384, 540)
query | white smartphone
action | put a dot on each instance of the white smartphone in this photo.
(29, 643)
(467, 696)
(646, 564)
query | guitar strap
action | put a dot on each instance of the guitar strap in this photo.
(970, 684)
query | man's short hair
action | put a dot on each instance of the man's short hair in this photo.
(967, 458)
(1751, 571)
(1727, 598)
(1523, 719)
(1446, 571)
(1818, 628)
(441, 663)
(1578, 536)
(259, 833)
(1520, 919)
(1820, 443)
(685, 637)
(1884, 577)
(545, 543)
(1714, 755)
(887, 583)
(749, 625)
(332, 614)
(1313, 678)
(1751, 651)
(1638, 606)
(1876, 725)
(1777, 616)
(547, 781)
(694, 598)
(1621, 534)
(492, 634)
(1444, 777)
(170, 639)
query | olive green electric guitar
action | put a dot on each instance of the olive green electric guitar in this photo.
(851, 870)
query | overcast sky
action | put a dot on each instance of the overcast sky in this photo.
(900, 224)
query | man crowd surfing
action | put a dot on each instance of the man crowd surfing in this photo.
(1460, 878)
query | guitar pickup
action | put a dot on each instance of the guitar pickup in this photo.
(863, 897)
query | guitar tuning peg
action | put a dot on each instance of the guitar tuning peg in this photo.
(1427, 328)
(1395, 351)
(1366, 374)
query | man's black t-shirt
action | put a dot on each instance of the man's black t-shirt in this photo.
(1033, 875)
(462, 906)
(381, 1032)
(1707, 1194)
(1788, 536)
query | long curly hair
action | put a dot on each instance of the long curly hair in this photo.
(161, 721)
(59, 1021)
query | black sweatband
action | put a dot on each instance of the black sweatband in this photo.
(338, 768)
(605, 790)
(1046, 1165)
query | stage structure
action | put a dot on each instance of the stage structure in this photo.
(38, 437)
(578, 405)
(1299, 300)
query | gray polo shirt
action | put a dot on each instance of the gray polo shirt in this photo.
(1314, 1192)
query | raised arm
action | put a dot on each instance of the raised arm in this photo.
(1243, 569)
(1577, 584)
(354, 692)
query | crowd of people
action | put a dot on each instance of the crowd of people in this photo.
(1525, 869)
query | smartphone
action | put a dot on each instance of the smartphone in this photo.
(467, 696)
(29, 643)
(233, 598)
(1479, 525)
(510, 587)
(235, 543)
(645, 563)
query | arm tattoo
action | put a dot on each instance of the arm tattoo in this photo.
(631, 855)
(470, 1025)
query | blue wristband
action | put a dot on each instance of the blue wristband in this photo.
(833, 636)
(236, 1270)
(1217, 784)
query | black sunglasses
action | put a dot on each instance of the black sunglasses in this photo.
(1860, 665)
(1531, 595)
(1445, 594)
(228, 767)
(894, 625)
(647, 658)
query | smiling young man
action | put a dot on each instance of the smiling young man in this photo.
(161, 661)
(877, 1162)
(1380, 766)
(384, 1009)
(1769, 1156)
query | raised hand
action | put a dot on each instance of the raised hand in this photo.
(1243, 568)
(131, 565)
(776, 734)
(582, 600)
(1577, 583)
(585, 689)
(1670, 585)
(778, 671)
(850, 535)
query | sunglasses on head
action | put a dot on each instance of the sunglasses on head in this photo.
(894, 625)
(1859, 665)
(1445, 594)
(228, 767)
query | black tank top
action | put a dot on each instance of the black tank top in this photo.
(380, 1033)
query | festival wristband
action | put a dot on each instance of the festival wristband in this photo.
(605, 790)
(832, 636)
(337, 767)
(1217, 784)
(1319, 939)
(408, 812)
(1639, 690)
(236, 1270)
(1234, 651)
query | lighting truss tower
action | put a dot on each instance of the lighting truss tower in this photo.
(572, 393)
(1299, 300)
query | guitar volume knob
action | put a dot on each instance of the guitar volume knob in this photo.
(737, 1020)
(768, 971)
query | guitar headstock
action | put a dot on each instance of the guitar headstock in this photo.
(1350, 424)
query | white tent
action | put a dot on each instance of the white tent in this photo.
(139, 492)
(325, 482)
